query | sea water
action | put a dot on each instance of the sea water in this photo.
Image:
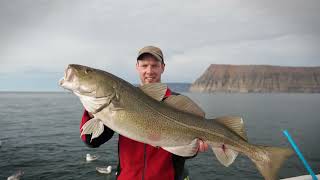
(39, 133)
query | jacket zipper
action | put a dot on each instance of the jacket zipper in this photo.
(145, 160)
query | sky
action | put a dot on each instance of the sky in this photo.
(39, 38)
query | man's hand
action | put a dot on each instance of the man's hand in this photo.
(203, 146)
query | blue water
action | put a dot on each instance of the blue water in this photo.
(39, 133)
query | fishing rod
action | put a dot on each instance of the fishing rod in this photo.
(298, 152)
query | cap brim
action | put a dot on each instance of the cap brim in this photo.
(153, 54)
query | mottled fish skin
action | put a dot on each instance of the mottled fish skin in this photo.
(129, 111)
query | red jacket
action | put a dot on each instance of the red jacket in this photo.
(138, 160)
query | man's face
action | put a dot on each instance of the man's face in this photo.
(150, 70)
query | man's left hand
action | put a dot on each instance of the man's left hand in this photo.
(203, 146)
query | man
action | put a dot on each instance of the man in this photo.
(138, 160)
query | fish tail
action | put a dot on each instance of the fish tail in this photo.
(269, 160)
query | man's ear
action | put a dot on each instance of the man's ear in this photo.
(163, 67)
(137, 65)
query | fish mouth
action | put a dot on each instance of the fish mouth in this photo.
(69, 80)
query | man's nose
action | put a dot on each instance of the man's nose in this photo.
(149, 69)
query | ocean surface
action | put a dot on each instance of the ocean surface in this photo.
(39, 135)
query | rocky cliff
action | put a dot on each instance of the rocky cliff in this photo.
(258, 78)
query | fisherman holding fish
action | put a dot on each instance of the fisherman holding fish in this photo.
(139, 160)
(157, 127)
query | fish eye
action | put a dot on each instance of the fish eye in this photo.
(87, 71)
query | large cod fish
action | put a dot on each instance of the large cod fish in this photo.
(172, 124)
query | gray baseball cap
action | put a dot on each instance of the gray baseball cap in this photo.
(155, 51)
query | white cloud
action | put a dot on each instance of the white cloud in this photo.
(48, 35)
(288, 50)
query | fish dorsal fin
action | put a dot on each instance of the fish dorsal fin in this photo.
(235, 124)
(185, 104)
(155, 90)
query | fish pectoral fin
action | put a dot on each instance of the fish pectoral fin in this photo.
(155, 90)
(235, 124)
(93, 126)
(185, 104)
(185, 151)
(225, 155)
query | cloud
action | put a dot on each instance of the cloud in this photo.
(45, 36)
(293, 50)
